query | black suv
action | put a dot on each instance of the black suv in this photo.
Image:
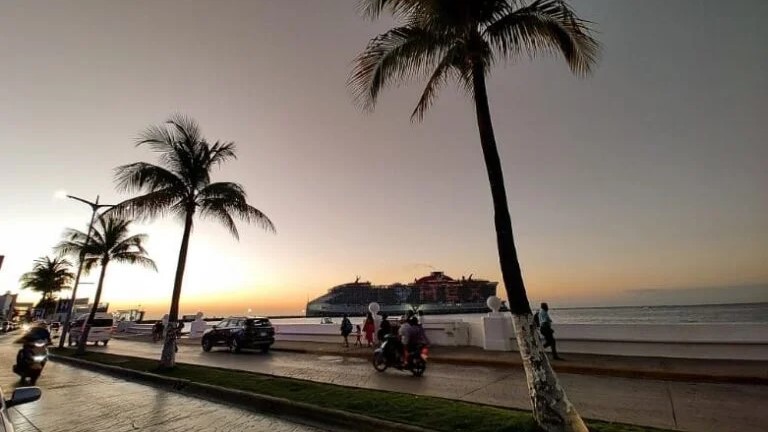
(237, 333)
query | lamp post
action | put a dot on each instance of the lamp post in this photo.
(95, 206)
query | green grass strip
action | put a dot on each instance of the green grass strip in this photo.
(424, 411)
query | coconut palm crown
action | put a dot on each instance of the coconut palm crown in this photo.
(110, 241)
(461, 39)
(48, 277)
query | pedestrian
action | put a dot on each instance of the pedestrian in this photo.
(358, 336)
(369, 326)
(421, 317)
(346, 329)
(157, 331)
(545, 322)
(384, 329)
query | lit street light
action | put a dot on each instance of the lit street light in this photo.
(95, 206)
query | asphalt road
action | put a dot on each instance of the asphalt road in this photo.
(78, 400)
(696, 407)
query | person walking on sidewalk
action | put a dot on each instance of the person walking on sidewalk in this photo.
(346, 329)
(545, 323)
(369, 327)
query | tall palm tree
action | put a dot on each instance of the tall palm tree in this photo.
(48, 277)
(461, 40)
(110, 241)
(181, 185)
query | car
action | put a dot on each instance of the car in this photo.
(20, 396)
(101, 329)
(240, 332)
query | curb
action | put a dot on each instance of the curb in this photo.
(300, 412)
(571, 369)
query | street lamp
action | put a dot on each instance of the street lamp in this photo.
(95, 206)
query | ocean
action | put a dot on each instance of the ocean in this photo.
(695, 314)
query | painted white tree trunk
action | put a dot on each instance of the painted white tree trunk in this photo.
(551, 407)
(168, 356)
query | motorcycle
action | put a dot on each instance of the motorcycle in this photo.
(389, 354)
(31, 360)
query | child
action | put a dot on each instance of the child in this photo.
(358, 334)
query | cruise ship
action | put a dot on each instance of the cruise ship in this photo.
(432, 294)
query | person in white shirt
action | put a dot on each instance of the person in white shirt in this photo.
(545, 327)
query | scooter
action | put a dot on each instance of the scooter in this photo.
(31, 360)
(389, 355)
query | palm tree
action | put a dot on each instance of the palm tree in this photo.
(461, 40)
(181, 185)
(48, 277)
(110, 241)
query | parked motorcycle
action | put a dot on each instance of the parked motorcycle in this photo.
(31, 360)
(389, 354)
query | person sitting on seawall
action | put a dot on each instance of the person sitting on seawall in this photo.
(546, 330)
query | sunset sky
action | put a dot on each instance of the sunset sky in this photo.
(645, 183)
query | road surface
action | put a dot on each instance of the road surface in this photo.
(695, 407)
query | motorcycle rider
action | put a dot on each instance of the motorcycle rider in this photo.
(410, 336)
(32, 347)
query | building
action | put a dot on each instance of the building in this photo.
(7, 303)
(23, 311)
(81, 307)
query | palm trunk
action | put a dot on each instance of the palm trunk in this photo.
(551, 407)
(168, 356)
(84, 336)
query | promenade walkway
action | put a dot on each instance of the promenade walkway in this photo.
(688, 406)
(78, 400)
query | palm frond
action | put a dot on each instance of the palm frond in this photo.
(221, 152)
(141, 175)
(398, 54)
(186, 130)
(134, 258)
(439, 78)
(151, 205)
(218, 212)
(400, 9)
(545, 27)
(225, 201)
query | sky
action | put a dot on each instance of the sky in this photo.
(642, 184)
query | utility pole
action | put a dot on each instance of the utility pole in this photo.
(95, 206)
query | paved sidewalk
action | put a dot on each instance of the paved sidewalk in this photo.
(78, 400)
(689, 370)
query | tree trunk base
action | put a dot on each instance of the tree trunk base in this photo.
(168, 356)
(551, 407)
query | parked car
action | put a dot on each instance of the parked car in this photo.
(20, 396)
(237, 333)
(101, 329)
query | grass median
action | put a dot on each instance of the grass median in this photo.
(424, 411)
